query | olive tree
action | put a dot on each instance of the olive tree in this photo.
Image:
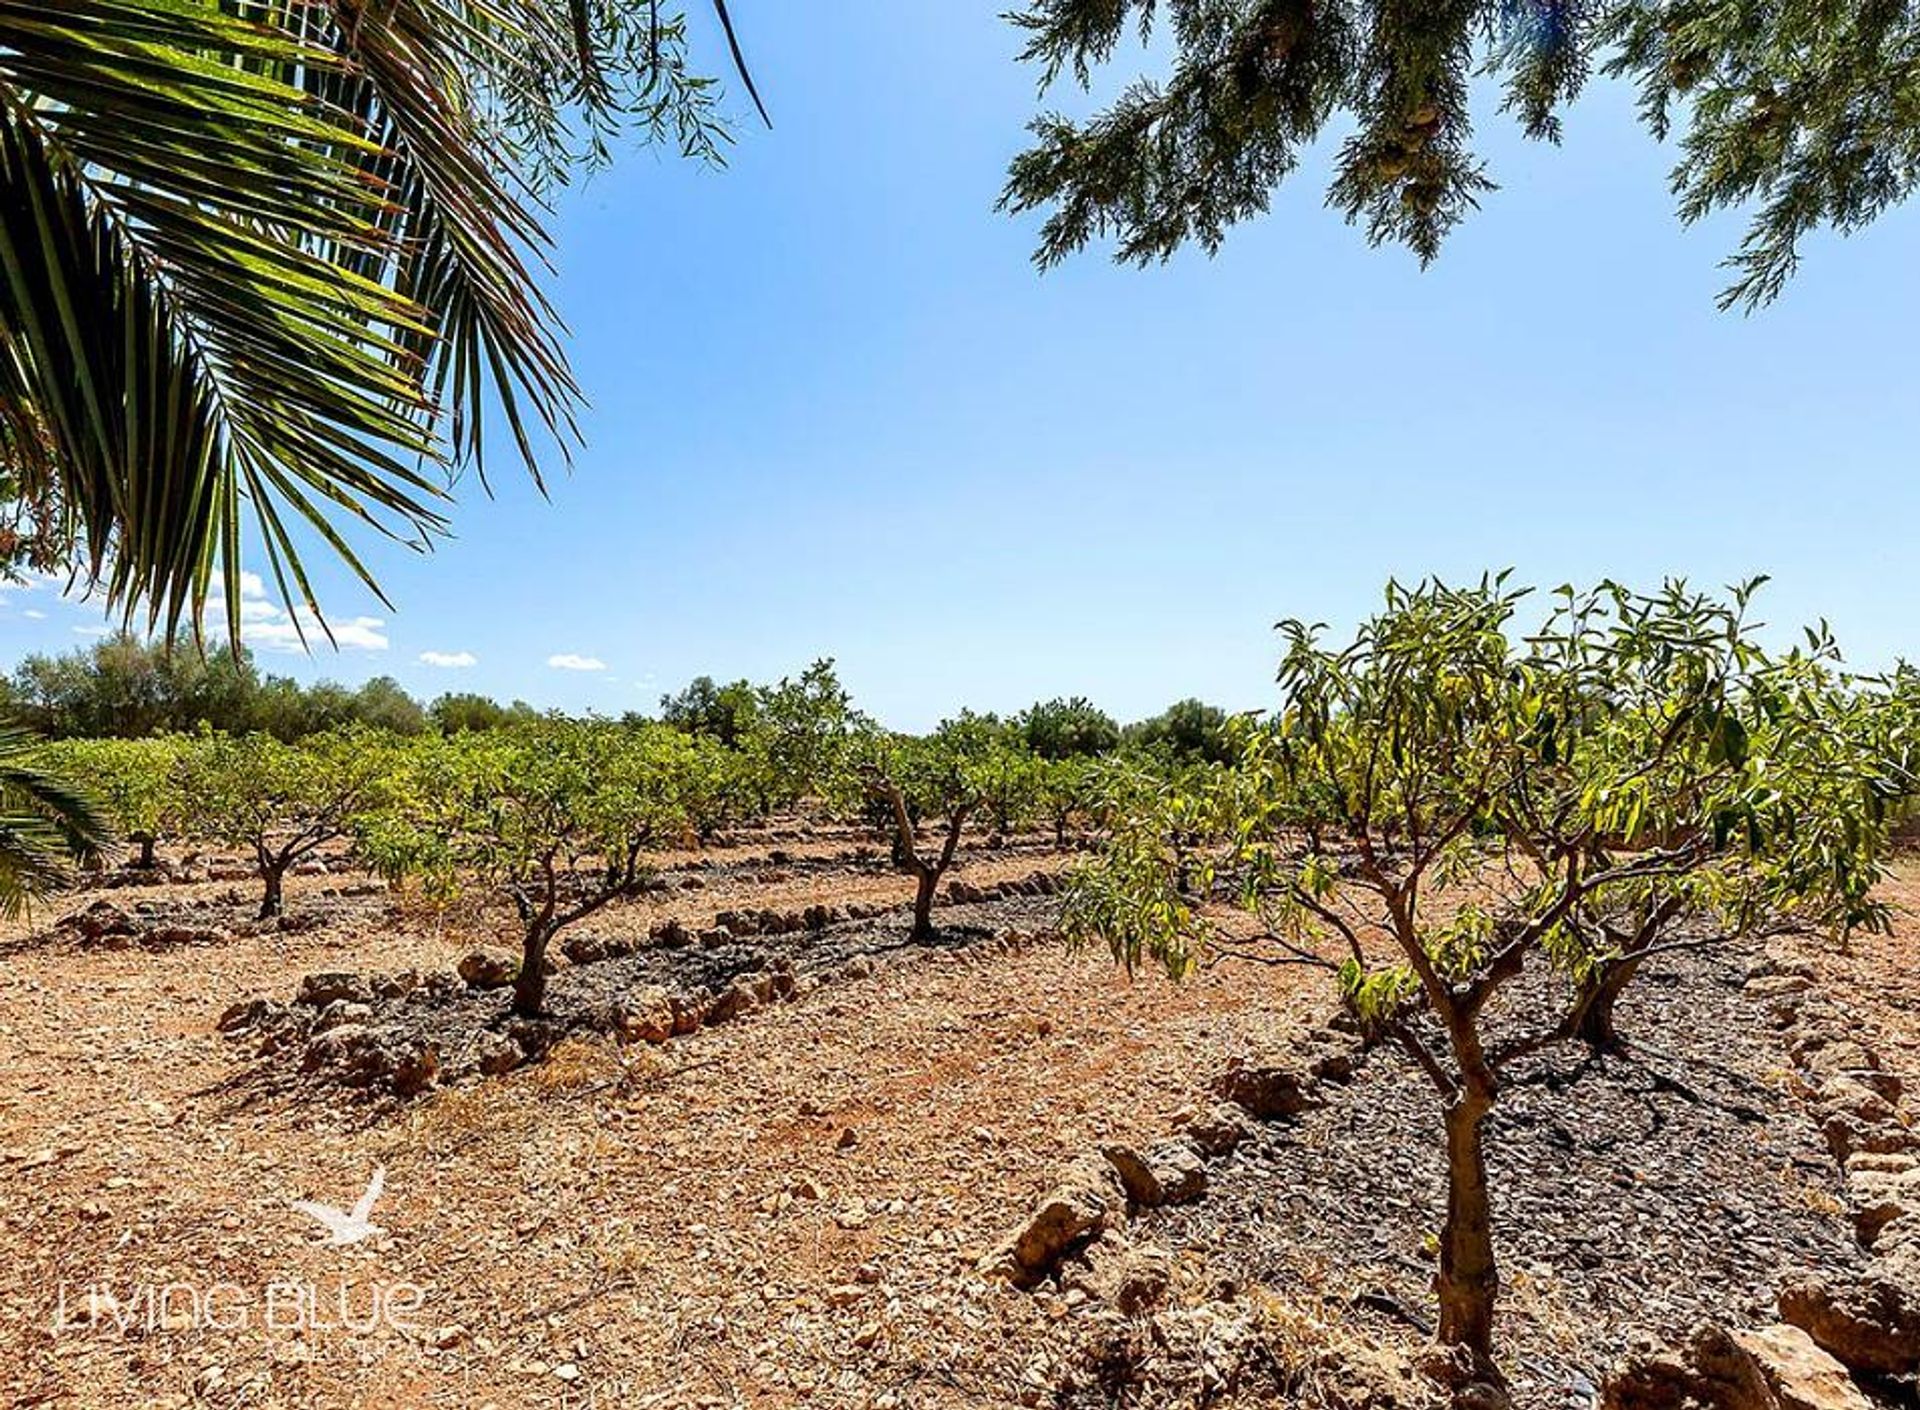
(1067, 729)
(1186, 732)
(283, 802)
(135, 781)
(1439, 805)
(553, 816)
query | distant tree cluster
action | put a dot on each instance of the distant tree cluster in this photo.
(126, 688)
(1187, 732)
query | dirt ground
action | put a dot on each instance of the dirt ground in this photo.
(784, 1210)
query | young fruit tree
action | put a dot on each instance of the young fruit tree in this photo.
(799, 736)
(1010, 779)
(942, 776)
(136, 782)
(283, 802)
(1441, 804)
(1065, 787)
(553, 816)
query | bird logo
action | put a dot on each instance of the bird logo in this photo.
(348, 1226)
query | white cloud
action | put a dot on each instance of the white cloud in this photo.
(252, 585)
(567, 661)
(93, 631)
(35, 613)
(269, 627)
(453, 659)
(276, 631)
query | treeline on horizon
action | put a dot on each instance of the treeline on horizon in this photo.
(125, 688)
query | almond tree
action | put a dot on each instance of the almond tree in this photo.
(1011, 779)
(1438, 806)
(800, 733)
(1065, 787)
(283, 802)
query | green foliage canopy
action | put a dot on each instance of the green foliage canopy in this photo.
(1063, 729)
(1800, 110)
(1437, 805)
(277, 262)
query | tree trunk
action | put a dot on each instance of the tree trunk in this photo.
(145, 839)
(273, 874)
(1469, 1282)
(1592, 1018)
(923, 904)
(530, 985)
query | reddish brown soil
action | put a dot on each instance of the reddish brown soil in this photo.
(686, 1225)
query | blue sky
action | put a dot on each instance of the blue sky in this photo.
(836, 412)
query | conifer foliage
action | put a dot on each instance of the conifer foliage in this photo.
(1798, 110)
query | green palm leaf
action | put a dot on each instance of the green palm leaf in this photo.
(268, 268)
(45, 824)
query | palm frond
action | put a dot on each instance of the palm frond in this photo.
(46, 824)
(270, 268)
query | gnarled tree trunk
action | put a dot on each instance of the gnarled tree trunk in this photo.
(928, 883)
(906, 852)
(530, 985)
(1591, 1020)
(273, 872)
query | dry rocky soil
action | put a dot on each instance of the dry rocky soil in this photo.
(764, 1152)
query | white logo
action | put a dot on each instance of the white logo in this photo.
(348, 1226)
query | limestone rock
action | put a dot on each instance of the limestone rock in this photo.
(488, 969)
(1086, 1203)
(1130, 1279)
(1268, 1092)
(1800, 1375)
(340, 1013)
(1870, 1323)
(495, 1053)
(416, 1066)
(1169, 1172)
(645, 1015)
(319, 990)
(1713, 1371)
(1878, 1197)
(1218, 1129)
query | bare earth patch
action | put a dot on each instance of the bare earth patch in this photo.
(786, 1209)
